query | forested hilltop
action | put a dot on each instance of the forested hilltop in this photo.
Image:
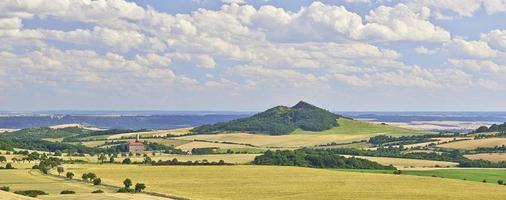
(277, 121)
(493, 128)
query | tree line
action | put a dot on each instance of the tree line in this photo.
(316, 158)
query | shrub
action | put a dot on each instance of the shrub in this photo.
(67, 192)
(31, 193)
(98, 191)
(500, 182)
(127, 161)
(5, 188)
(125, 190)
(9, 166)
(97, 181)
(139, 187)
(484, 180)
(398, 172)
(35, 167)
(69, 175)
(127, 182)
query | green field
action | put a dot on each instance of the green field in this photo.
(356, 127)
(276, 182)
(491, 175)
(347, 131)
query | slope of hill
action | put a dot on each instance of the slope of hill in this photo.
(279, 120)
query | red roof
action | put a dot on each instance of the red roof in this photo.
(135, 144)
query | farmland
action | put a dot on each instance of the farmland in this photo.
(403, 163)
(493, 157)
(490, 175)
(347, 131)
(473, 144)
(274, 182)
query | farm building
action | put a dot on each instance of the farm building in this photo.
(136, 147)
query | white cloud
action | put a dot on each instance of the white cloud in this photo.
(496, 39)
(426, 51)
(470, 49)
(205, 61)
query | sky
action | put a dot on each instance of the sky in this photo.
(240, 55)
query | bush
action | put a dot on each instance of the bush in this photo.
(97, 191)
(500, 182)
(398, 172)
(31, 193)
(139, 187)
(35, 167)
(127, 161)
(5, 188)
(97, 181)
(67, 192)
(9, 166)
(125, 190)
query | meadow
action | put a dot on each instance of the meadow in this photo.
(490, 175)
(277, 182)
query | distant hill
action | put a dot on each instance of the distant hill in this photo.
(493, 128)
(277, 121)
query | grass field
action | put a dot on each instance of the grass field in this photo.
(275, 182)
(491, 175)
(494, 157)
(473, 144)
(348, 131)
(404, 163)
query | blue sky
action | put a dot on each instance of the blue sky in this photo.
(350, 55)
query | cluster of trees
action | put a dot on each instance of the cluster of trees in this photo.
(83, 136)
(494, 128)
(128, 183)
(403, 140)
(205, 150)
(91, 177)
(31, 193)
(177, 162)
(394, 152)
(321, 158)
(277, 121)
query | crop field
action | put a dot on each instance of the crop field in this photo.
(473, 144)
(33, 180)
(274, 182)
(490, 175)
(493, 157)
(403, 163)
(348, 131)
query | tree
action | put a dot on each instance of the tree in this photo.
(127, 161)
(60, 170)
(85, 177)
(111, 159)
(147, 160)
(127, 182)
(70, 175)
(9, 166)
(97, 181)
(500, 182)
(139, 187)
(102, 158)
(3, 159)
(92, 176)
